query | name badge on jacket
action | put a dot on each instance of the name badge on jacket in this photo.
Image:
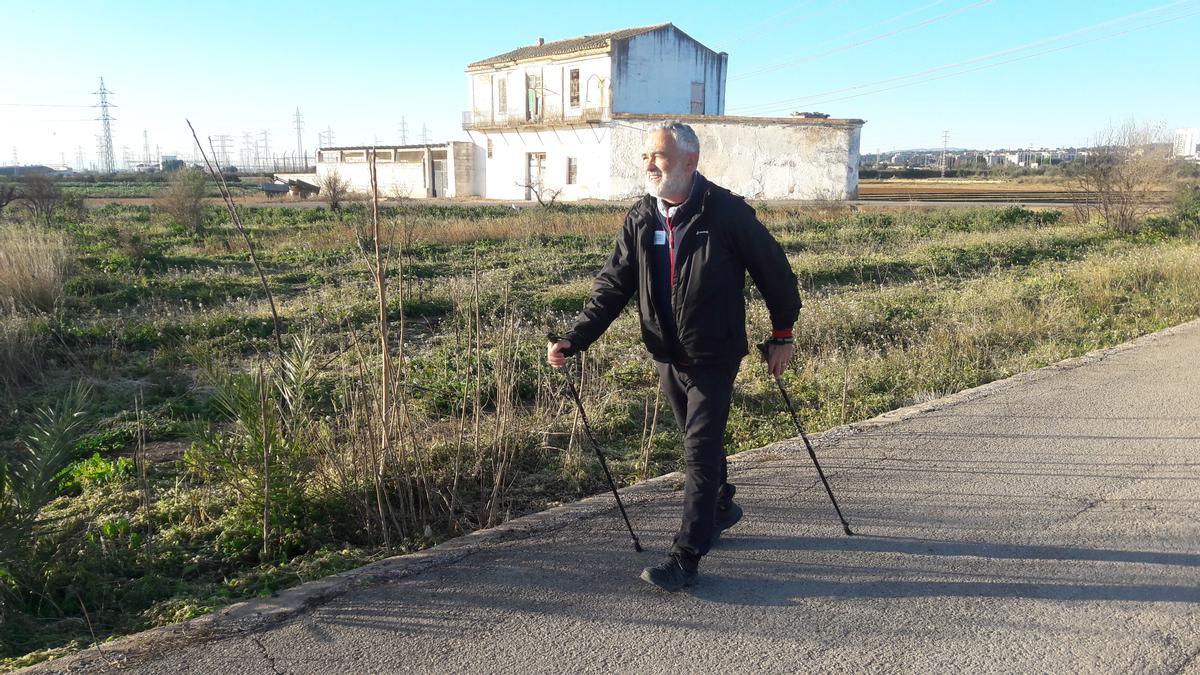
(660, 238)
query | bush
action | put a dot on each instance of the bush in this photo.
(183, 200)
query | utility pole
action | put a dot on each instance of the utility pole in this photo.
(945, 147)
(106, 143)
(403, 131)
(299, 137)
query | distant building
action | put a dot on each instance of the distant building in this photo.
(570, 117)
(1187, 143)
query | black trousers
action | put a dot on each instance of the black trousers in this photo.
(700, 398)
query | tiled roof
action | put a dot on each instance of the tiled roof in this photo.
(577, 44)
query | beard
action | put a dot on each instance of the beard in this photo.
(669, 184)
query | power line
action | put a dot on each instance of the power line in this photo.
(772, 25)
(875, 38)
(813, 98)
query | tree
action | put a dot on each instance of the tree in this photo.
(8, 195)
(335, 188)
(183, 200)
(1121, 174)
(42, 194)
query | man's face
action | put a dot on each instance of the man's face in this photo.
(668, 168)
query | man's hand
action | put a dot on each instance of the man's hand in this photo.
(554, 353)
(778, 356)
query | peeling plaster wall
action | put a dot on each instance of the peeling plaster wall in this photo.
(505, 172)
(756, 160)
(653, 73)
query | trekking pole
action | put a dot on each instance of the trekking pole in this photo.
(587, 428)
(762, 348)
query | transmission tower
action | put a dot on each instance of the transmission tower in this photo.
(424, 134)
(79, 158)
(145, 147)
(247, 150)
(264, 137)
(299, 137)
(945, 147)
(325, 138)
(107, 161)
(221, 145)
(126, 157)
(15, 161)
(403, 131)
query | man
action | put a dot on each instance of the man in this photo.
(684, 250)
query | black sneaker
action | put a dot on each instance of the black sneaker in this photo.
(727, 517)
(670, 575)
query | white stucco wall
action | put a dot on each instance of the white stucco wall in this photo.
(758, 160)
(505, 172)
(653, 73)
(404, 177)
(594, 80)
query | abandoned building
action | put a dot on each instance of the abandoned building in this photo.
(568, 118)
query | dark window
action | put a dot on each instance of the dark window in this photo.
(572, 170)
(574, 87)
(489, 148)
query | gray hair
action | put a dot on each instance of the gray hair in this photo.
(684, 135)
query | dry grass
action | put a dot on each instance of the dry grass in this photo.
(34, 264)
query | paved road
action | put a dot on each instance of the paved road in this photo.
(1048, 524)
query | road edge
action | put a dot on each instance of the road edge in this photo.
(259, 613)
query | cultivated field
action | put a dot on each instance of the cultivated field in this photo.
(165, 457)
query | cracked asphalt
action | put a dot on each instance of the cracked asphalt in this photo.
(1050, 523)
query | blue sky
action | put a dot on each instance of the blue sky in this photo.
(995, 73)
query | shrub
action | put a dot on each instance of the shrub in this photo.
(183, 200)
(43, 195)
(335, 188)
(34, 264)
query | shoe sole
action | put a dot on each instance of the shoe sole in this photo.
(670, 589)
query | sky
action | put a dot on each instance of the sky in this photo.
(992, 73)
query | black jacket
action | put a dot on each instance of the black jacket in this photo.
(723, 241)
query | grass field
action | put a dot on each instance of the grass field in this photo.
(191, 425)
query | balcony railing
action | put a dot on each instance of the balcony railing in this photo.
(489, 119)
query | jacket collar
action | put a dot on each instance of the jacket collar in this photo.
(647, 206)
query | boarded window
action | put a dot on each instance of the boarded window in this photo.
(354, 156)
(533, 97)
(572, 170)
(385, 155)
(574, 87)
(697, 98)
(501, 96)
(489, 148)
(331, 156)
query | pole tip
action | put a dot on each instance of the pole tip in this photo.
(846, 528)
(637, 546)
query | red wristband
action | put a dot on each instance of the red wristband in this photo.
(785, 333)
